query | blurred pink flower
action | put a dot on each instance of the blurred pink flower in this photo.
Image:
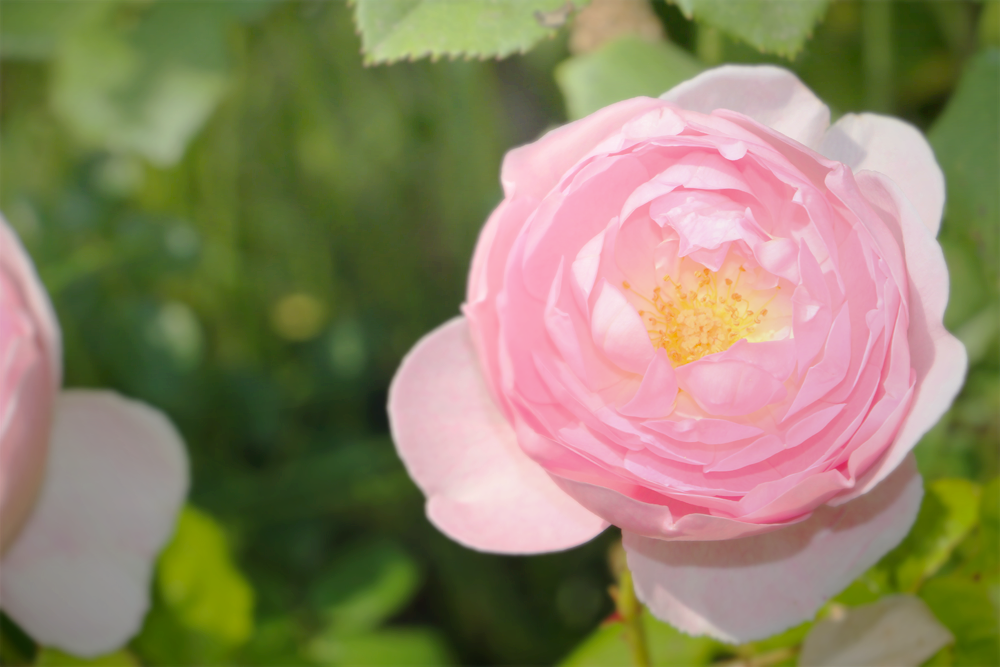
(712, 320)
(90, 483)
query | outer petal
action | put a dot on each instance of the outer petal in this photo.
(896, 149)
(15, 262)
(30, 377)
(78, 576)
(534, 169)
(481, 489)
(770, 95)
(750, 588)
(938, 358)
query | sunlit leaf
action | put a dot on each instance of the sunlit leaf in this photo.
(408, 29)
(774, 26)
(668, 647)
(965, 608)
(50, 657)
(200, 583)
(966, 141)
(366, 585)
(867, 588)
(389, 647)
(950, 509)
(624, 68)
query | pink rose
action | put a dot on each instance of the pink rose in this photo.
(90, 483)
(708, 319)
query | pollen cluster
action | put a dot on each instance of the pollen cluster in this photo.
(690, 323)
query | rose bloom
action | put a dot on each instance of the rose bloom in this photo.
(90, 483)
(712, 320)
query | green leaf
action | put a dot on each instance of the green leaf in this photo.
(773, 26)
(980, 552)
(867, 588)
(365, 586)
(148, 87)
(965, 608)
(394, 30)
(624, 68)
(392, 646)
(200, 584)
(31, 30)
(51, 657)
(667, 647)
(950, 509)
(966, 141)
(16, 647)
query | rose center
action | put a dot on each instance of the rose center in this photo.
(707, 317)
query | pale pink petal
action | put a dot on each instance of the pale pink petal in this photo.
(707, 431)
(78, 576)
(750, 588)
(482, 490)
(938, 358)
(741, 380)
(770, 95)
(640, 511)
(30, 377)
(532, 170)
(894, 148)
(17, 265)
(657, 392)
(618, 330)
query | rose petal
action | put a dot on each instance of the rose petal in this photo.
(896, 149)
(751, 588)
(741, 380)
(896, 630)
(656, 393)
(532, 170)
(770, 95)
(78, 576)
(30, 377)
(16, 264)
(938, 358)
(482, 490)
(618, 330)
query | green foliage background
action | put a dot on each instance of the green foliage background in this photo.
(243, 225)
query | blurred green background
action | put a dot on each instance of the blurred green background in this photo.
(242, 225)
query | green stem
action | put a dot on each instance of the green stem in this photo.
(876, 25)
(631, 611)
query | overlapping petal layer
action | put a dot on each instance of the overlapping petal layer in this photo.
(30, 376)
(702, 328)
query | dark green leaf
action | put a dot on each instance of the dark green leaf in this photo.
(366, 585)
(624, 68)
